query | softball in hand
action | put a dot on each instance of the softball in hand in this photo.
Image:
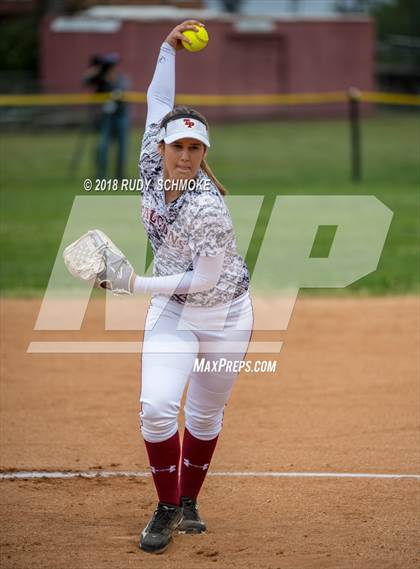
(199, 39)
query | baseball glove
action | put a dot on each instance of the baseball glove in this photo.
(95, 257)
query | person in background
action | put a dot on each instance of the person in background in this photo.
(113, 120)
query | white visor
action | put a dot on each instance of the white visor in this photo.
(184, 127)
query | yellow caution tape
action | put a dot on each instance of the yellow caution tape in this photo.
(248, 100)
(214, 100)
(390, 98)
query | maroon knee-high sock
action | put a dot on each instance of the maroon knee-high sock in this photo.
(196, 458)
(164, 464)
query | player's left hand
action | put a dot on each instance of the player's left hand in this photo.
(175, 37)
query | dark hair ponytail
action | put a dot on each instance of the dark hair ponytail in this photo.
(179, 112)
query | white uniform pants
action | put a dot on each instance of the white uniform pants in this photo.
(175, 335)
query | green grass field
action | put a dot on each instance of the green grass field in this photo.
(267, 158)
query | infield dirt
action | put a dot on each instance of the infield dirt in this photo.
(344, 398)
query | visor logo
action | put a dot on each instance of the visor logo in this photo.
(189, 123)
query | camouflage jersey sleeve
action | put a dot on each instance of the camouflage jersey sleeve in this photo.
(210, 227)
(150, 161)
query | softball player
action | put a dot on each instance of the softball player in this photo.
(200, 307)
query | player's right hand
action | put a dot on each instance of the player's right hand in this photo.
(175, 37)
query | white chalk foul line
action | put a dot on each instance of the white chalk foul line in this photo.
(25, 475)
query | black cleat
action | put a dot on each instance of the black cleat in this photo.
(191, 521)
(157, 535)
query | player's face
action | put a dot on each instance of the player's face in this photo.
(182, 158)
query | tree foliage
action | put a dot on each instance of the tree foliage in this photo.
(401, 17)
(18, 43)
